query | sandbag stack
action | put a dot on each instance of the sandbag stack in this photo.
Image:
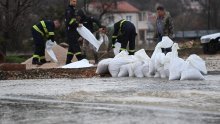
(160, 65)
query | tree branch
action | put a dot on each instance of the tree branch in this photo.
(2, 4)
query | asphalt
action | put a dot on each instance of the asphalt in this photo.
(110, 101)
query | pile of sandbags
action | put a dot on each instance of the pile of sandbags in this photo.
(160, 65)
(124, 65)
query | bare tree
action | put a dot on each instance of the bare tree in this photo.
(103, 6)
(212, 12)
(14, 15)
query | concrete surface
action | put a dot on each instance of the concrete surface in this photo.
(110, 101)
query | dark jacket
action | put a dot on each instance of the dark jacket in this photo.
(49, 26)
(120, 29)
(88, 21)
(70, 18)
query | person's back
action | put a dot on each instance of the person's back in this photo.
(42, 31)
(124, 32)
(45, 27)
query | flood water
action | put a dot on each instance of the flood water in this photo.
(110, 101)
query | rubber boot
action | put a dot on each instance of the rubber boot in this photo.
(80, 57)
(166, 50)
(43, 61)
(35, 61)
(96, 58)
(131, 53)
(69, 59)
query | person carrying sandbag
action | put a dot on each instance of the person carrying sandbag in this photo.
(42, 32)
(124, 33)
(88, 22)
(72, 34)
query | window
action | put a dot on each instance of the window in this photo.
(128, 18)
(142, 16)
(142, 35)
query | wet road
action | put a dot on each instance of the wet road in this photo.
(110, 101)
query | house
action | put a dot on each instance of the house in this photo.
(124, 10)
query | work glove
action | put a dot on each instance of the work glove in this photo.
(117, 47)
(80, 25)
(50, 44)
(113, 46)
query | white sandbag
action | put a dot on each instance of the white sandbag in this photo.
(116, 63)
(175, 49)
(52, 55)
(142, 55)
(122, 54)
(152, 64)
(138, 71)
(86, 34)
(197, 63)
(123, 71)
(175, 68)
(157, 50)
(132, 67)
(159, 60)
(172, 54)
(145, 69)
(166, 42)
(102, 67)
(103, 38)
(84, 63)
(131, 70)
(106, 39)
(166, 62)
(191, 74)
(159, 65)
(166, 70)
(49, 46)
(157, 75)
(117, 48)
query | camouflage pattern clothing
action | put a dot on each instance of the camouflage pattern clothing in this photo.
(163, 27)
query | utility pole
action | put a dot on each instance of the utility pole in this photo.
(85, 6)
(209, 14)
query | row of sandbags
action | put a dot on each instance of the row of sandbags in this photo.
(159, 65)
(123, 65)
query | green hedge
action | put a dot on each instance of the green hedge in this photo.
(15, 59)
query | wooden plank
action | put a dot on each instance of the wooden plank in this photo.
(12, 67)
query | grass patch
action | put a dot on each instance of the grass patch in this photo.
(16, 59)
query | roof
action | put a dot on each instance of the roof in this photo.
(124, 6)
(121, 7)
